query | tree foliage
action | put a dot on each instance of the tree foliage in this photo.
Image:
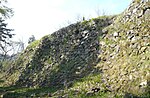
(5, 33)
(31, 39)
(4, 36)
(5, 11)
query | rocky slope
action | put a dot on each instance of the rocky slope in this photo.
(63, 56)
(125, 57)
(105, 55)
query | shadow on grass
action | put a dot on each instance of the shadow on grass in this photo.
(15, 92)
(129, 95)
(2, 81)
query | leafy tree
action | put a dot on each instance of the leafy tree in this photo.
(4, 10)
(31, 39)
(5, 33)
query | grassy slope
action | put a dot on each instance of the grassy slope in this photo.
(83, 87)
(12, 73)
(39, 50)
(123, 70)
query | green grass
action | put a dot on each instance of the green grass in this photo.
(82, 86)
(85, 95)
(33, 44)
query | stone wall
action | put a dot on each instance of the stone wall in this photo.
(126, 50)
(118, 46)
(67, 54)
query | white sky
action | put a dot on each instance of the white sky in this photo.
(42, 17)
